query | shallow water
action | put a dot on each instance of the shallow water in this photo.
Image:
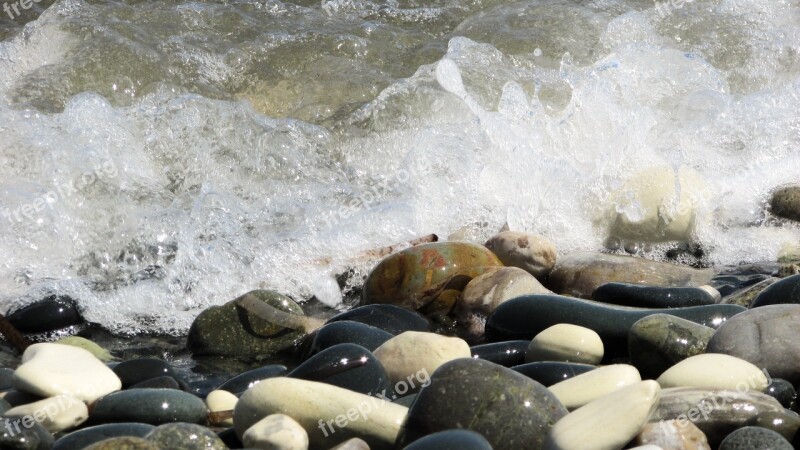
(159, 157)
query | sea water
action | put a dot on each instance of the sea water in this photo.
(158, 157)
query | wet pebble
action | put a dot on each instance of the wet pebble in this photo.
(782, 391)
(136, 371)
(221, 402)
(506, 353)
(642, 296)
(671, 435)
(566, 342)
(530, 252)
(587, 387)
(713, 370)
(153, 406)
(549, 373)
(348, 366)
(659, 341)
(277, 432)
(88, 436)
(389, 318)
(413, 353)
(785, 202)
(57, 413)
(16, 434)
(784, 291)
(124, 443)
(246, 380)
(185, 436)
(348, 332)
(53, 312)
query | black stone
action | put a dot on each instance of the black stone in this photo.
(53, 312)
(246, 380)
(153, 406)
(347, 331)
(85, 437)
(135, 371)
(507, 353)
(390, 318)
(783, 391)
(755, 438)
(785, 291)
(229, 437)
(348, 366)
(14, 435)
(642, 296)
(526, 316)
(451, 440)
(406, 401)
(164, 382)
(510, 410)
(6, 375)
(549, 373)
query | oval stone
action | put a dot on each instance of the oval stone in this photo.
(53, 312)
(153, 406)
(389, 318)
(660, 341)
(784, 291)
(506, 353)
(715, 371)
(566, 342)
(549, 373)
(510, 410)
(766, 337)
(782, 391)
(427, 277)
(587, 387)
(85, 437)
(640, 296)
(751, 438)
(62, 412)
(348, 366)
(413, 353)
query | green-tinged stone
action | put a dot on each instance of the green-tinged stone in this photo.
(124, 443)
(427, 277)
(153, 406)
(185, 436)
(658, 342)
(510, 410)
(746, 296)
(77, 341)
(230, 330)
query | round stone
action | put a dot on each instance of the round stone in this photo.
(641, 296)
(751, 438)
(782, 391)
(530, 252)
(185, 436)
(510, 410)
(15, 435)
(348, 331)
(568, 343)
(60, 412)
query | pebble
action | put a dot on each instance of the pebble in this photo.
(746, 296)
(52, 369)
(510, 410)
(451, 440)
(642, 296)
(526, 316)
(785, 202)
(14, 434)
(784, 291)
(786, 423)
(428, 276)
(659, 341)
(348, 366)
(389, 318)
(246, 380)
(765, 336)
(220, 401)
(607, 423)
(230, 330)
(566, 342)
(185, 436)
(714, 370)
(329, 414)
(6, 378)
(165, 382)
(549, 373)
(4, 406)
(669, 435)
(135, 371)
(587, 387)
(715, 412)
(530, 252)
(782, 391)
(755, 438)
(412, 352)
(153, 406)
(276, 432)
(96, 350)
(347, 331)
(84, 437)
(124, 443)
(506, 353)
(580, 274)
(57, 413)
(51, 313)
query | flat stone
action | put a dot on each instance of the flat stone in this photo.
(524, 317)
(52, 369)
(220, 401)
(785, 202)
(580, 274)
(246, 380)
(124, 443)
(506, 353)
(667, 434)
(329, 414)
(510, 410)
(640, 296)
(566, 342)
(765, 336)
(549, 373)
(607, 423)
(57, 413)
(230, 330)
(15, 435)
(530, 252)
(714, 370)
(85, 437)
(51, 313)
(185, 436)
(751, 438)
(276, 432)
(390, 318)
(451, 439)
(587, 387)
(412, 352)
(153, 406)
(784, 291)
(348, 366)
(660, 341)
